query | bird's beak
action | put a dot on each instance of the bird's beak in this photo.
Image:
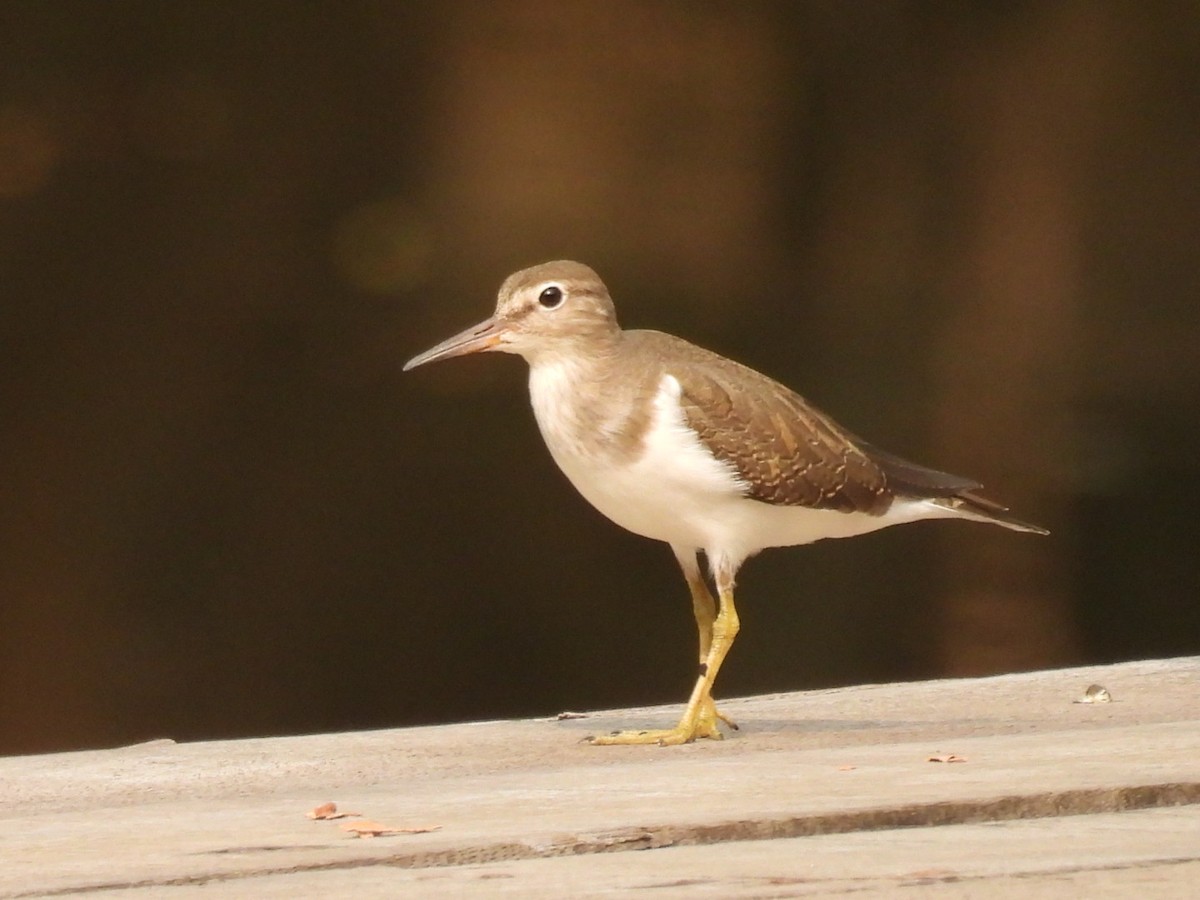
(485, 336)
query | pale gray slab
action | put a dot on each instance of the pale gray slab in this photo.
(1151, 853)
(521, 793)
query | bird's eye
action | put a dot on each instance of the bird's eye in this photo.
(551, 297)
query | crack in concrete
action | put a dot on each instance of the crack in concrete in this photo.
(1085, 801)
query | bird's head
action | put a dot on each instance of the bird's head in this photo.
(555, 308)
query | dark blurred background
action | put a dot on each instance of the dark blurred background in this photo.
(969, 231)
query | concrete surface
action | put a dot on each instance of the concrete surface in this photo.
(824, 792)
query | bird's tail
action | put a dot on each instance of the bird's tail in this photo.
(970, 505)
(950, 492)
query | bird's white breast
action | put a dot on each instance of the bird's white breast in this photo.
(667, 487)
(670, 487)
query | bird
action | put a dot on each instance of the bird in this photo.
(679, 444)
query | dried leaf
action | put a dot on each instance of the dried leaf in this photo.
(947, 758)
(847, 768)
(924, 874)
(1095, 693)
(367, 829)
(329, 811)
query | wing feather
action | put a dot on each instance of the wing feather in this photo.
(787, 451)
(790, 453)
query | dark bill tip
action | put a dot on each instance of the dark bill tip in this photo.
(476, 339)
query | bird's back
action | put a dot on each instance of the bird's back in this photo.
(788, 451)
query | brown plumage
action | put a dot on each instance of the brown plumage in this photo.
(790, 453)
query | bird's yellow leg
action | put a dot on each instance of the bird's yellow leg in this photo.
(704, 607)
(717, 631)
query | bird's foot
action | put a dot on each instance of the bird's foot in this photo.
(709, 713)
(664, 737)
(693, 726)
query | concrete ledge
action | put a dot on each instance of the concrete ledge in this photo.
(527, 810)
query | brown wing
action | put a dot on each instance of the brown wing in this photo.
(789, 453)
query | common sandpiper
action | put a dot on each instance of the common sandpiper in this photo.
(682, 445)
